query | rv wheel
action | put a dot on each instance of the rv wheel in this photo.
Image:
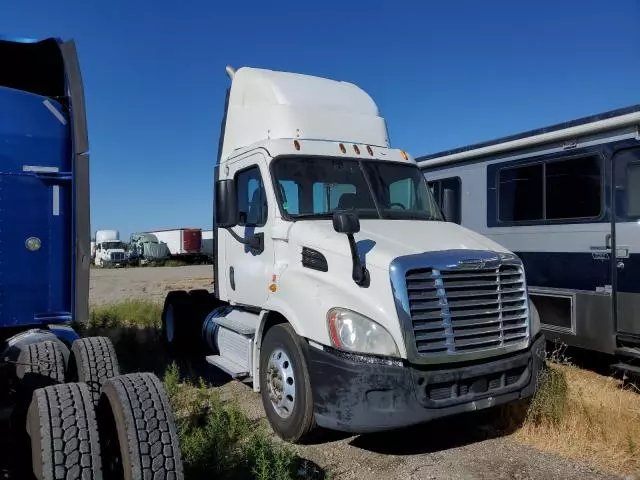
(284, 385)
(137, 429)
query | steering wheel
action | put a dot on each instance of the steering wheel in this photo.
(398, 204)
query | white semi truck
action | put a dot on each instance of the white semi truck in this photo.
(109, 250)
(340, 292)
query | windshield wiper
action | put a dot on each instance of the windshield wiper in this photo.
(306, 216)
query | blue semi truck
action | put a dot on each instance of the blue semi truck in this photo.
(65, 409)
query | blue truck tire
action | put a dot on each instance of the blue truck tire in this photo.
(64, 433)
(19, 342)
(137, 429)
(93, 361)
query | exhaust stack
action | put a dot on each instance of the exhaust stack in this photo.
(230, 71)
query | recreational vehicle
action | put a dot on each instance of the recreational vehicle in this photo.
(566, 200)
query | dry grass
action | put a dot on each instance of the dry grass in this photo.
(598, 423)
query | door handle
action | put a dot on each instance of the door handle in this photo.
(232, 278)
(607, 241)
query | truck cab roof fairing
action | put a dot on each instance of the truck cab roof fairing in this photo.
(266, 104)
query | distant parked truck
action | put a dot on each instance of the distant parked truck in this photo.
(206, 244)
(183, 243)
(110, 251)
(145, 248)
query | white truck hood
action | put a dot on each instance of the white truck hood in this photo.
(381, 241)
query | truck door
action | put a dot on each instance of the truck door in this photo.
(626, 260)
(248, 270)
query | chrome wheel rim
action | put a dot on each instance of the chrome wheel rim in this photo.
(281, 386)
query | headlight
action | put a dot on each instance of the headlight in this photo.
(534, 319)
(352, 332)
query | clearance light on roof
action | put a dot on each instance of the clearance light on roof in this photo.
(370, 150)
(404, 154)
(356, 149)
(296, 144)
(342, 149)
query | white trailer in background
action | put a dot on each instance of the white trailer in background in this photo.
(183, 243)
(206, 244)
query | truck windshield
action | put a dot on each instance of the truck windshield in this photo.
(112, 245)
(313, 187)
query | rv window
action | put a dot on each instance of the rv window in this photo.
(551, 190)
(573, 188)
(520, 193)
(633, 190)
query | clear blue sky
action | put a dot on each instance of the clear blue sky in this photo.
(444, 74)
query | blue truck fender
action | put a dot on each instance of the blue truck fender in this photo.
(61, 334)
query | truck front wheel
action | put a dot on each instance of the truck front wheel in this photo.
(284, 385)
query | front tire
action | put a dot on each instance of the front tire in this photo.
(285, 386)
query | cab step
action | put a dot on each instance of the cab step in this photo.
(626, 368)
(228, 366)
(629, 352)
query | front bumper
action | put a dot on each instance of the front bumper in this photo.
(360, 394)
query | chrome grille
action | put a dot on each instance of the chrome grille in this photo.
(115, 256)
(457, 311)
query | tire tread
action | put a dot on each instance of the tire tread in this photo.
(64, 433)
(96, 361)
(151, 437)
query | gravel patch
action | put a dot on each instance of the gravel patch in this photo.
(112, 285)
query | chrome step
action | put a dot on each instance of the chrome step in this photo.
(228, 366)
(239, 321)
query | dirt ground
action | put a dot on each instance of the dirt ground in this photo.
(458, 448)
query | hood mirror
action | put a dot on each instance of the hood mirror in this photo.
(349, 223)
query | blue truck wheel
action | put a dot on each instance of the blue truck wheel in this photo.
(93, 361)
(137, 428)
(64, 433)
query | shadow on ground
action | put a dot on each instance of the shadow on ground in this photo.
(438, 435)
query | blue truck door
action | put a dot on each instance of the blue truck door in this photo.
(44, 184)
(35, 223)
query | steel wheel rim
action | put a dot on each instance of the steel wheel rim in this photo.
(281, 385)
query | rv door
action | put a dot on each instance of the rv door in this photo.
(626, 260)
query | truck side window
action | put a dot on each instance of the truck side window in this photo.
(252, 200)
